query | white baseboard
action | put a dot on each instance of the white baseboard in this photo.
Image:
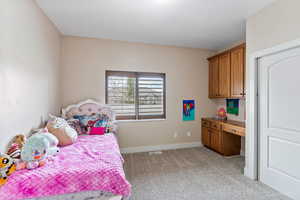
(160, 147)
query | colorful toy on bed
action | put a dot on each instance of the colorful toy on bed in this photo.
(15, 146)
(7, 167)
(60, 128)
(38, 147)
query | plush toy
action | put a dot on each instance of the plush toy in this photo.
(37, 148)
(7, 167)
(16, 145)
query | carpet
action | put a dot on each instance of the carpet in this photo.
(192, 174)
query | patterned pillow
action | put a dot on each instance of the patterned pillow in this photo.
(75, 124)
(90, 121)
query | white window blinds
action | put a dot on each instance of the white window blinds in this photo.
(136, 95)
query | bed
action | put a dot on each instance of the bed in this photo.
(91, 168)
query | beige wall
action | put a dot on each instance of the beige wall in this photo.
(29, 68)
(273, 25)
(84, 62)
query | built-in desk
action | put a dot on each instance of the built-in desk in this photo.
(223, 136)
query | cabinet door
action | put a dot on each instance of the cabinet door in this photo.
(215, 140)
(238, 72)
(205, 136)
(214, 77)
(224, 75)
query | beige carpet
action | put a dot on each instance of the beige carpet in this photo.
(192, 174)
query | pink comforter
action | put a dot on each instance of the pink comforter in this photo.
(92, 163)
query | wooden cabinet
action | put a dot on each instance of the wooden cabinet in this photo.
(227, 74)
(224, 75)
(214, 77)
(205, 136)
(211, 135)
(223, 137)
(215, 140)
(237, 72)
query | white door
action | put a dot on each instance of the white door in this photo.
(279, 121)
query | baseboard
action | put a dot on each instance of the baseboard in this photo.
(160, 147)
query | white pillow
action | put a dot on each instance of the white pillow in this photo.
(60, 128)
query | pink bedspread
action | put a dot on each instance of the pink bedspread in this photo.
(92, 163)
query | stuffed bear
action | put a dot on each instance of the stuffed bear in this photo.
(37, 148)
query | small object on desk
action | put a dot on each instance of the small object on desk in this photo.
(222, 115)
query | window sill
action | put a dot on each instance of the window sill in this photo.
(141, 120)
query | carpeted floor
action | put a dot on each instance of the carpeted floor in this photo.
(192, 174)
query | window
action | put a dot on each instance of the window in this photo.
(136, 95)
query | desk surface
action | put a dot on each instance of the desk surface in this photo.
(231, 122)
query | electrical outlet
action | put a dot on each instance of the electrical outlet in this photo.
(175, 134)
(189, 134)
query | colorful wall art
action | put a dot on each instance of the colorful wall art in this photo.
(233, 106)
(188, 110)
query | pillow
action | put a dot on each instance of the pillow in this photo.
(93, 121)
(97, 131)
(75, 124)
(60, 128)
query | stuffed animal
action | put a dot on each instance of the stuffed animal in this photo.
(16, 145)
(37, 148)
(7, 167)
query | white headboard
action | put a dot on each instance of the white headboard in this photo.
(88, 107)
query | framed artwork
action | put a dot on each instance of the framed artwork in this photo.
(188, 110)
(232, 106)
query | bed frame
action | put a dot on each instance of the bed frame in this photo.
(90, 107)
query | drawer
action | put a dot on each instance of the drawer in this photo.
(234, 129)
(215, 125)
(206, 123)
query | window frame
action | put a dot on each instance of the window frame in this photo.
(137, 75)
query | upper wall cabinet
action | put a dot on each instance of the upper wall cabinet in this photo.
(238, 72)
(224, 75)
(214, 77)
(227, 74)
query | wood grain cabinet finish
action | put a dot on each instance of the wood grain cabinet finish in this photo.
(211, 135)
(224, 75)
(237, 72)
(215, 140)
(222, 137)
(214, 78)
(227, 74)
(205, 136)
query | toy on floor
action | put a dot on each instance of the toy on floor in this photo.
(17, 143)
(37, 148)
(7, 167)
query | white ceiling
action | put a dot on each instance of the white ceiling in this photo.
(210, 24)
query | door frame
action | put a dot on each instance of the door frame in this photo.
(252, 133)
